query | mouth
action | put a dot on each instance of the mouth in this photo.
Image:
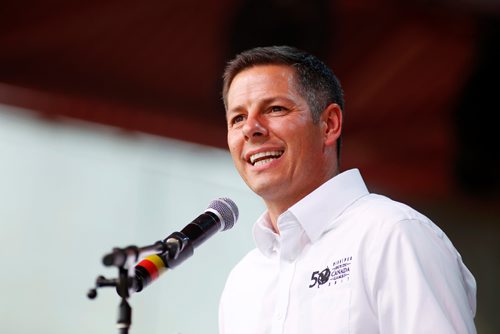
(262, 158)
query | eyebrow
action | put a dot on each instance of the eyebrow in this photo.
(266, 101)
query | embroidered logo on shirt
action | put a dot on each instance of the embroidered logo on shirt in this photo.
(337, 274)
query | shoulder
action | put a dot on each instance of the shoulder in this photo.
(382, 208)
(410, 258)
(401, 237)
(382, 226)
(382, 216)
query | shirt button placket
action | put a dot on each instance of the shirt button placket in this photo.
(287, 270)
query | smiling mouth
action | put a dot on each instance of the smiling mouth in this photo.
(262, 158)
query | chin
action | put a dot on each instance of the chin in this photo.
(268, 192)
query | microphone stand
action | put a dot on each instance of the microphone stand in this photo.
(121, 284)
(123, 259)
(124, 310)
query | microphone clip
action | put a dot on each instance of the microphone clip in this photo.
(178, 248)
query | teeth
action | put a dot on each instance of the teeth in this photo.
(262, 162)
(270, 156)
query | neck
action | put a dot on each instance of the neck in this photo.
(276, 206)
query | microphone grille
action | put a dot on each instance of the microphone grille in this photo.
(227, 210)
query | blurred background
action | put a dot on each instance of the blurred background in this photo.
(112, 133)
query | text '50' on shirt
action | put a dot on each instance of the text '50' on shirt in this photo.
(347, 261)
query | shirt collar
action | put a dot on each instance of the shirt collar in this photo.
(309, 218)
(265, 238)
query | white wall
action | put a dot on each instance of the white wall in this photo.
(71, 191)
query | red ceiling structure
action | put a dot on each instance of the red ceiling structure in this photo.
(155, 67)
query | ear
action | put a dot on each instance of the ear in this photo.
(331, 122)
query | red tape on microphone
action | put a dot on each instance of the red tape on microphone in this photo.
(150, 268)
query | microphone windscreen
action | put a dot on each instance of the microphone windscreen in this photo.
(227, 210)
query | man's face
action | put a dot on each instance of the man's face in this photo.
(274, 144)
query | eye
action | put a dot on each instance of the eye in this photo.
(277, 108)
(236, 119)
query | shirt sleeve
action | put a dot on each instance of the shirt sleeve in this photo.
(418, 281)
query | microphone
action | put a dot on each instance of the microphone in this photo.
(221, 215)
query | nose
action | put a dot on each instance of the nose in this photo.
(254, 128)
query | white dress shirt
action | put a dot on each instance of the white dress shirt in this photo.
(347, 261)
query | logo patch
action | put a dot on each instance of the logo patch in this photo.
(338, 273)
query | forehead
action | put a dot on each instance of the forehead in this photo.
(262, 80)
(265, 70)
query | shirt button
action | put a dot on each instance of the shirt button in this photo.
(279, 316)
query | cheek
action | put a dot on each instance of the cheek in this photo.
(234, 154)
(231, 142)
(234, 148)
(299, 126)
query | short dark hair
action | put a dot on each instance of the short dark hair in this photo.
(315, 81)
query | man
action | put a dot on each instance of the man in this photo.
(331, 257)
